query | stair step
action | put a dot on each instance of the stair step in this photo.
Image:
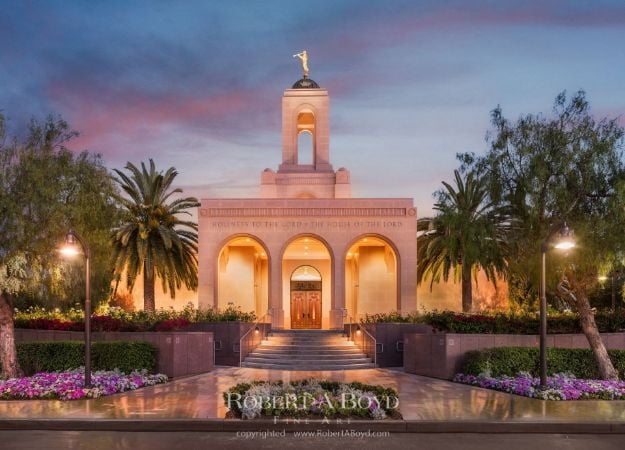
(316, 361)
(307, 350)
(306, 339)
(308, 346)
(316, 367)
(306, 331)
(305, 342)
(320, 351)
(299, 352)
(306, 356)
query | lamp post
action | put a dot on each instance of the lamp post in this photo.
(71, 249)
(564, 242)
(613, 277)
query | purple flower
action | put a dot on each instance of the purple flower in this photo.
(559, 386)
(70, 385)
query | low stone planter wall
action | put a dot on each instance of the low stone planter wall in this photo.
(390, 340)
(441, 355)
(227, 338)
(180, 353)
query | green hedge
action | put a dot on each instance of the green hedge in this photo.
(502, 323)
(62, 355)
(512, 360)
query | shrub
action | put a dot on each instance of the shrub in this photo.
(116, 319)
(48, 324)
(502, 323)
(509, 361)
(172, 325)
(56, 356)
(392, 317)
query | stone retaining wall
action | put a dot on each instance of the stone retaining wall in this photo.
(227, 338)
(389, 340)
(441, 355)
(180, 353)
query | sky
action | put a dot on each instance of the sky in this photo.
(197, 84)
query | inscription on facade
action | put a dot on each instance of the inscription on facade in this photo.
(305, 212)
(306, 224)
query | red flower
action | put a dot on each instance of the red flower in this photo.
(172, 324)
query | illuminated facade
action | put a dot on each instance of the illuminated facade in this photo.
(306, 251)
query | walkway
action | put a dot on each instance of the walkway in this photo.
(422, 399)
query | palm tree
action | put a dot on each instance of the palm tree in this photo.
(467, 234)
(152, 239)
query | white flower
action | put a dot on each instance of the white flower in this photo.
(378, 414)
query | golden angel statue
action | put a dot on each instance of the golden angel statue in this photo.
(304, 57)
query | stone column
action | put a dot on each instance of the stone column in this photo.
(337, 308)
(275, 290)
(408, 281)
(207, 264)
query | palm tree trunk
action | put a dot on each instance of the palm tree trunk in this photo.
(149, 302)
(467, 290)
(8, 353)
(589, 327)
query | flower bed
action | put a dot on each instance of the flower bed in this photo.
(311, 398)
(116, 319)
(69, 385)
(559, 387)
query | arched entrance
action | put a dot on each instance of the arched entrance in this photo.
(306, 288)
(371, 277)
(307, 284)
(243, 275)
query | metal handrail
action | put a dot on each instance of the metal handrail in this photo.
(343, 317)
(363, 346)
(243, 351)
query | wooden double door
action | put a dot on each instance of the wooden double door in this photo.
(305, 309)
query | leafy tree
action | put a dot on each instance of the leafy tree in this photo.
(568, 167)
(152, 239)
(44, 190)
(467, 234)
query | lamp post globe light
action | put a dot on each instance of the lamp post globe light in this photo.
(74, 244)
(563, 241)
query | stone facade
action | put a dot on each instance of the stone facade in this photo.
(362, 248)
(487, 296)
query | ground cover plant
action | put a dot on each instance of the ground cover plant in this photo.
(311, 399)
(70, 385)
(559, 386)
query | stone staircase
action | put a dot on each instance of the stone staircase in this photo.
(307, 350)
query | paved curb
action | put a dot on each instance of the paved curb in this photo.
(399, 426)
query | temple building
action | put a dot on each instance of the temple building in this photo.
(305, 251)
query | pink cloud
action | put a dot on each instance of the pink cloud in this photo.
(103, 113)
